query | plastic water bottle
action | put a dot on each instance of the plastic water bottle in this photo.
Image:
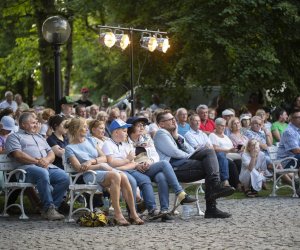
(106, 206)
(186, 212)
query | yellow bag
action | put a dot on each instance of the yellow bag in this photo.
(92, 219)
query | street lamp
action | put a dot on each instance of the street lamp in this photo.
(56, 30)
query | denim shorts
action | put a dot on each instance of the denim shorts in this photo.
(100, 177)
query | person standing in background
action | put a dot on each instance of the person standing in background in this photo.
(21, 105)
(9, 101)
(84, 101)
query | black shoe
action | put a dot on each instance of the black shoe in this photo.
(154, 214)
(216, 213)
(220, 191)
(188, 199)
(64, 208)
(141, 206)
(298, 192)
(166, 217)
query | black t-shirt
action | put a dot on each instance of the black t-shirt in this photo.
(84, 103)
(52, 141)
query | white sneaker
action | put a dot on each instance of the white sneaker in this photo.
(52, 214)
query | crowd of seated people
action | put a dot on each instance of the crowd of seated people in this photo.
(157, 145)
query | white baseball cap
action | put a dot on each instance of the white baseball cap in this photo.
(227, 112)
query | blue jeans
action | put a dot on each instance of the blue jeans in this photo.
(51, 183)
(223, 166)
(163, 174)
(290, 163)
(137, 179)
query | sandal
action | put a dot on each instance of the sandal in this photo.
(137, 221)
(250, 194)
(122, 222)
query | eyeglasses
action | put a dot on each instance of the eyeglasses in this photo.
(170, 119)
(140, 125)
(256, 123)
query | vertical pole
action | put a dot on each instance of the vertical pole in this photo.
(57, 87)
(131, 73)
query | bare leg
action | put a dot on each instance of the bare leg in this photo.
(113, 180)
(128, 196)
(287, 179)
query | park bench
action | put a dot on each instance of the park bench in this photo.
(198, 190)
(279, 171)
(14, 179)
(77, 190)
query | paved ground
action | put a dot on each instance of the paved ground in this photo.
(260, 223)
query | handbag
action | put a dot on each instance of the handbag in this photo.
(142, 157)
(93, 219)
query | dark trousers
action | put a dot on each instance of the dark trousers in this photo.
(233, 173)
(202, 165)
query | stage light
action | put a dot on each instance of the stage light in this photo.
(108, 39)
(148, 42)
(163, 44)
(122, 40)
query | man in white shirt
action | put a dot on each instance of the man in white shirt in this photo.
(195, 137)
(9, 101)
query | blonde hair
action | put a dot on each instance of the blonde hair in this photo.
(230, 122)
(101, 115)
(250, 142)
(73, 126)
(94, 124)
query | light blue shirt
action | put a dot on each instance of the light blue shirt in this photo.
(167, 147)
(197, 139)
(34, 145)
(82, 151)
(183, 129)
(290, 139)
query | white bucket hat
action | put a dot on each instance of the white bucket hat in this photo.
(8, 123)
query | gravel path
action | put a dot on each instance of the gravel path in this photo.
(260, 223)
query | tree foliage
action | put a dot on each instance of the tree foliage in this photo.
(241, 46)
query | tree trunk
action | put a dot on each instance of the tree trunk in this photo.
(43, 9)
(30, 90)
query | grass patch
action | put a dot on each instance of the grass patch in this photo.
(284, 192)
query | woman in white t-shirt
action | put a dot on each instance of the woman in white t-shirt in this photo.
(226, 154)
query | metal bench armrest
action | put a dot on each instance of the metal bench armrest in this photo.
(22, 175)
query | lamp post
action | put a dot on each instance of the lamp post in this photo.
(147, 41)
(56, 30)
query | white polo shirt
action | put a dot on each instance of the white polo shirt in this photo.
(117, 150)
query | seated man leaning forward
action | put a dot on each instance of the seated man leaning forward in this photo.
(289, 145)
(31, 149)
(191, 166)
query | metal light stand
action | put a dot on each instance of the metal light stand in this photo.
(131, 31)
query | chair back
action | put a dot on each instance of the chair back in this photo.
(273, 150)
(67, 166)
